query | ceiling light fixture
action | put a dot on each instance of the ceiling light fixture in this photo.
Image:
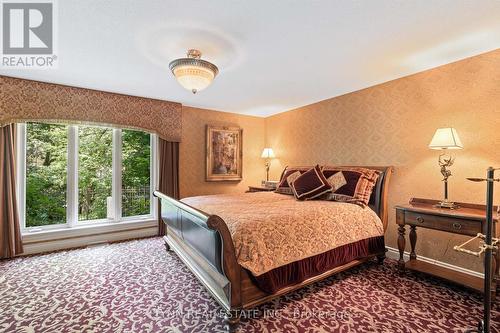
(193, 73)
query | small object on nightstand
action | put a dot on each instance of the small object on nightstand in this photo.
(468, 220)
(259, 189)
(270, 184)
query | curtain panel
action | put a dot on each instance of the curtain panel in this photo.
(24, 100)
(168, 156)
(10, 231)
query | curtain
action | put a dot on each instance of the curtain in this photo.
(10, 231)
(168, 156)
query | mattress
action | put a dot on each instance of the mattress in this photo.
(271, 230)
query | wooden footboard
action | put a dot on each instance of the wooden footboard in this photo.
(204, 244)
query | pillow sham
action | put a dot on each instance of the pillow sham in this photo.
(311, 184)
(290, 179)
(337, 180)
(283, 186)
(359, 187)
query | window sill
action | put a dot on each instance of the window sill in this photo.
(87, 230)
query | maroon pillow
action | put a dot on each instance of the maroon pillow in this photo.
(359, 187)
(283, 186)
(310, 184)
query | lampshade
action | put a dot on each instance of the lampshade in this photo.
(446, 138)
(268, 153)
(193, 73)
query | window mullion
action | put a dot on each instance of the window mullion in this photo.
(117, 174)
(21, 173)
(153, 167)
(72, 182)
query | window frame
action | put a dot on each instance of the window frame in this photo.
(72, 199)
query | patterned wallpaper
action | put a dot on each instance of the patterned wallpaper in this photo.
(392, 124)
(23, 100)
(193, 147)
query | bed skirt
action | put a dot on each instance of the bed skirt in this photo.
(301, 270)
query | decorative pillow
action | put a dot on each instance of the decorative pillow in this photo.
(283, 186)
(337, 180)
(359, 187)
(290, 179)
(310, 184)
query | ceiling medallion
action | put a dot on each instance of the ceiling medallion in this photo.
(193, 73)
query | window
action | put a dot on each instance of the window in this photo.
(78, 175)
(46, 165)
(95, 172)
(136, 178)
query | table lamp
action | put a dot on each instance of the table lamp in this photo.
(445, 139)
(267, 153)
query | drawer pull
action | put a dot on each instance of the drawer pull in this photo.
(457, 226)
(420, 219)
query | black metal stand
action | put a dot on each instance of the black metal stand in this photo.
(488, 252)
(484, 325)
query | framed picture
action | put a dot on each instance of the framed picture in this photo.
(224, 153)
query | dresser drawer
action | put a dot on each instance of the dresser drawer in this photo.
(459, 226)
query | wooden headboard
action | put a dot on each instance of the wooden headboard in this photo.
(378, 200)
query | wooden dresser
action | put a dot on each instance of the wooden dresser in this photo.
(467, 220)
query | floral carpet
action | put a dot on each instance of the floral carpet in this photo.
(137, 286)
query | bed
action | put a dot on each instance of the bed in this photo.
(247, 249)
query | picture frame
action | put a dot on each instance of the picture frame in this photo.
(224, 153)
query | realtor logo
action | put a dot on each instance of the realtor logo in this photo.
(28, 30)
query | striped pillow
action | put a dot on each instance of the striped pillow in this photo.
(359, 187)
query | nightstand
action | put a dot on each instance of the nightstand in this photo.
(260, 189)
(467, 220)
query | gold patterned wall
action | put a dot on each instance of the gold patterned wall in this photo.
(392, 124)
(193, 147)
(23, 100)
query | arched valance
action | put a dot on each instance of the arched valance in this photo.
(24, 100)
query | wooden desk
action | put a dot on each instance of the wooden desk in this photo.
(468, 220)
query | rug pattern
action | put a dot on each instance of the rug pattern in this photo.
(136, 286)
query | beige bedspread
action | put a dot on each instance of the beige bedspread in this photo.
(271, 230)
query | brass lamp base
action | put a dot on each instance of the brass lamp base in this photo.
(447, 204)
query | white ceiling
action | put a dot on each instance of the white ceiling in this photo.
(273, 55)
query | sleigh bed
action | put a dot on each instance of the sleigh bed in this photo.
(229, 242)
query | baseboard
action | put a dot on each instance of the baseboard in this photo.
(394, 254)
(74, 242)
